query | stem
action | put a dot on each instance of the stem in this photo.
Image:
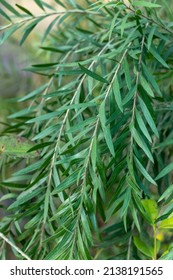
(135, 95)
(148, 18)
(155, 243)
(130, 243)
(14, 246)
(77, 11)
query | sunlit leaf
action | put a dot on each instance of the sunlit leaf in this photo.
(151, 208)
(167, 223)
(143, 247)
(17, 146)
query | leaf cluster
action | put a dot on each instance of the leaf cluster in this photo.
(102, 121)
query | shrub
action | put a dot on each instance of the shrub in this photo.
(97, 180)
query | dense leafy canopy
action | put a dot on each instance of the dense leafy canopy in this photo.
(101, 186)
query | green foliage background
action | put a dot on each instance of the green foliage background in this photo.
(101, 118)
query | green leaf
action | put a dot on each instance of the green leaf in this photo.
(123, 24)
(150, 37)
(47, 131)
(167, 255)
(4, 15)
(24, 10)
(129, 95)
(150, 206)
(94, 152)
(106, 130)
(166, 193)
(142, 125)
(60, 3)
(25, 196)
(146, 86)
(33, 93)
(23, 112)
(30, 168)
(10, 8)
(151, 78)
(17, 146)
(127, 198)
(93, 74)
(40, 146)
(145, 4)
(85, 226)
(166, 224)
(112, 25)
(148, 117)
(39, 3)
(117, 94)
(26, 34)
(127, 74)
(144, 172)
(143, 247)
(134, 215)
(69, 181)
(49, 28)
(165, 171)
(141, 142)
(157, 56)
(6, 34)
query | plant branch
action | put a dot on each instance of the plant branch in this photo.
(135, 95)
(60, 133)
(116, 71)
(23, 21)
(148, 18)
(83, 186)
(14, 246)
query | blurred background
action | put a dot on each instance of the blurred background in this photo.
(15, 81)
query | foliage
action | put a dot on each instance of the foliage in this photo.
(101, 187)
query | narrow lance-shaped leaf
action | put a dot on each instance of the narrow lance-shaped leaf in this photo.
(49, 28)
(145, 4)
(146, 86)
(93, 74)
(117, 94)
(150, 37)
(68, 182)
(142, 126)
(112, 25)
(166, 193)
(106, 130)
(144, 172)
(39, 3)
(151, 78)
(4, 15)
(6, 34)
(165, 171)
(94, 152)
(157, 56)
(10, 8)
(24, 10)
(127, 74)
(33, 93)
(148, 117)
(141, 142)
(26, 34)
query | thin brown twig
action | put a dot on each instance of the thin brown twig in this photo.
(14, 246)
